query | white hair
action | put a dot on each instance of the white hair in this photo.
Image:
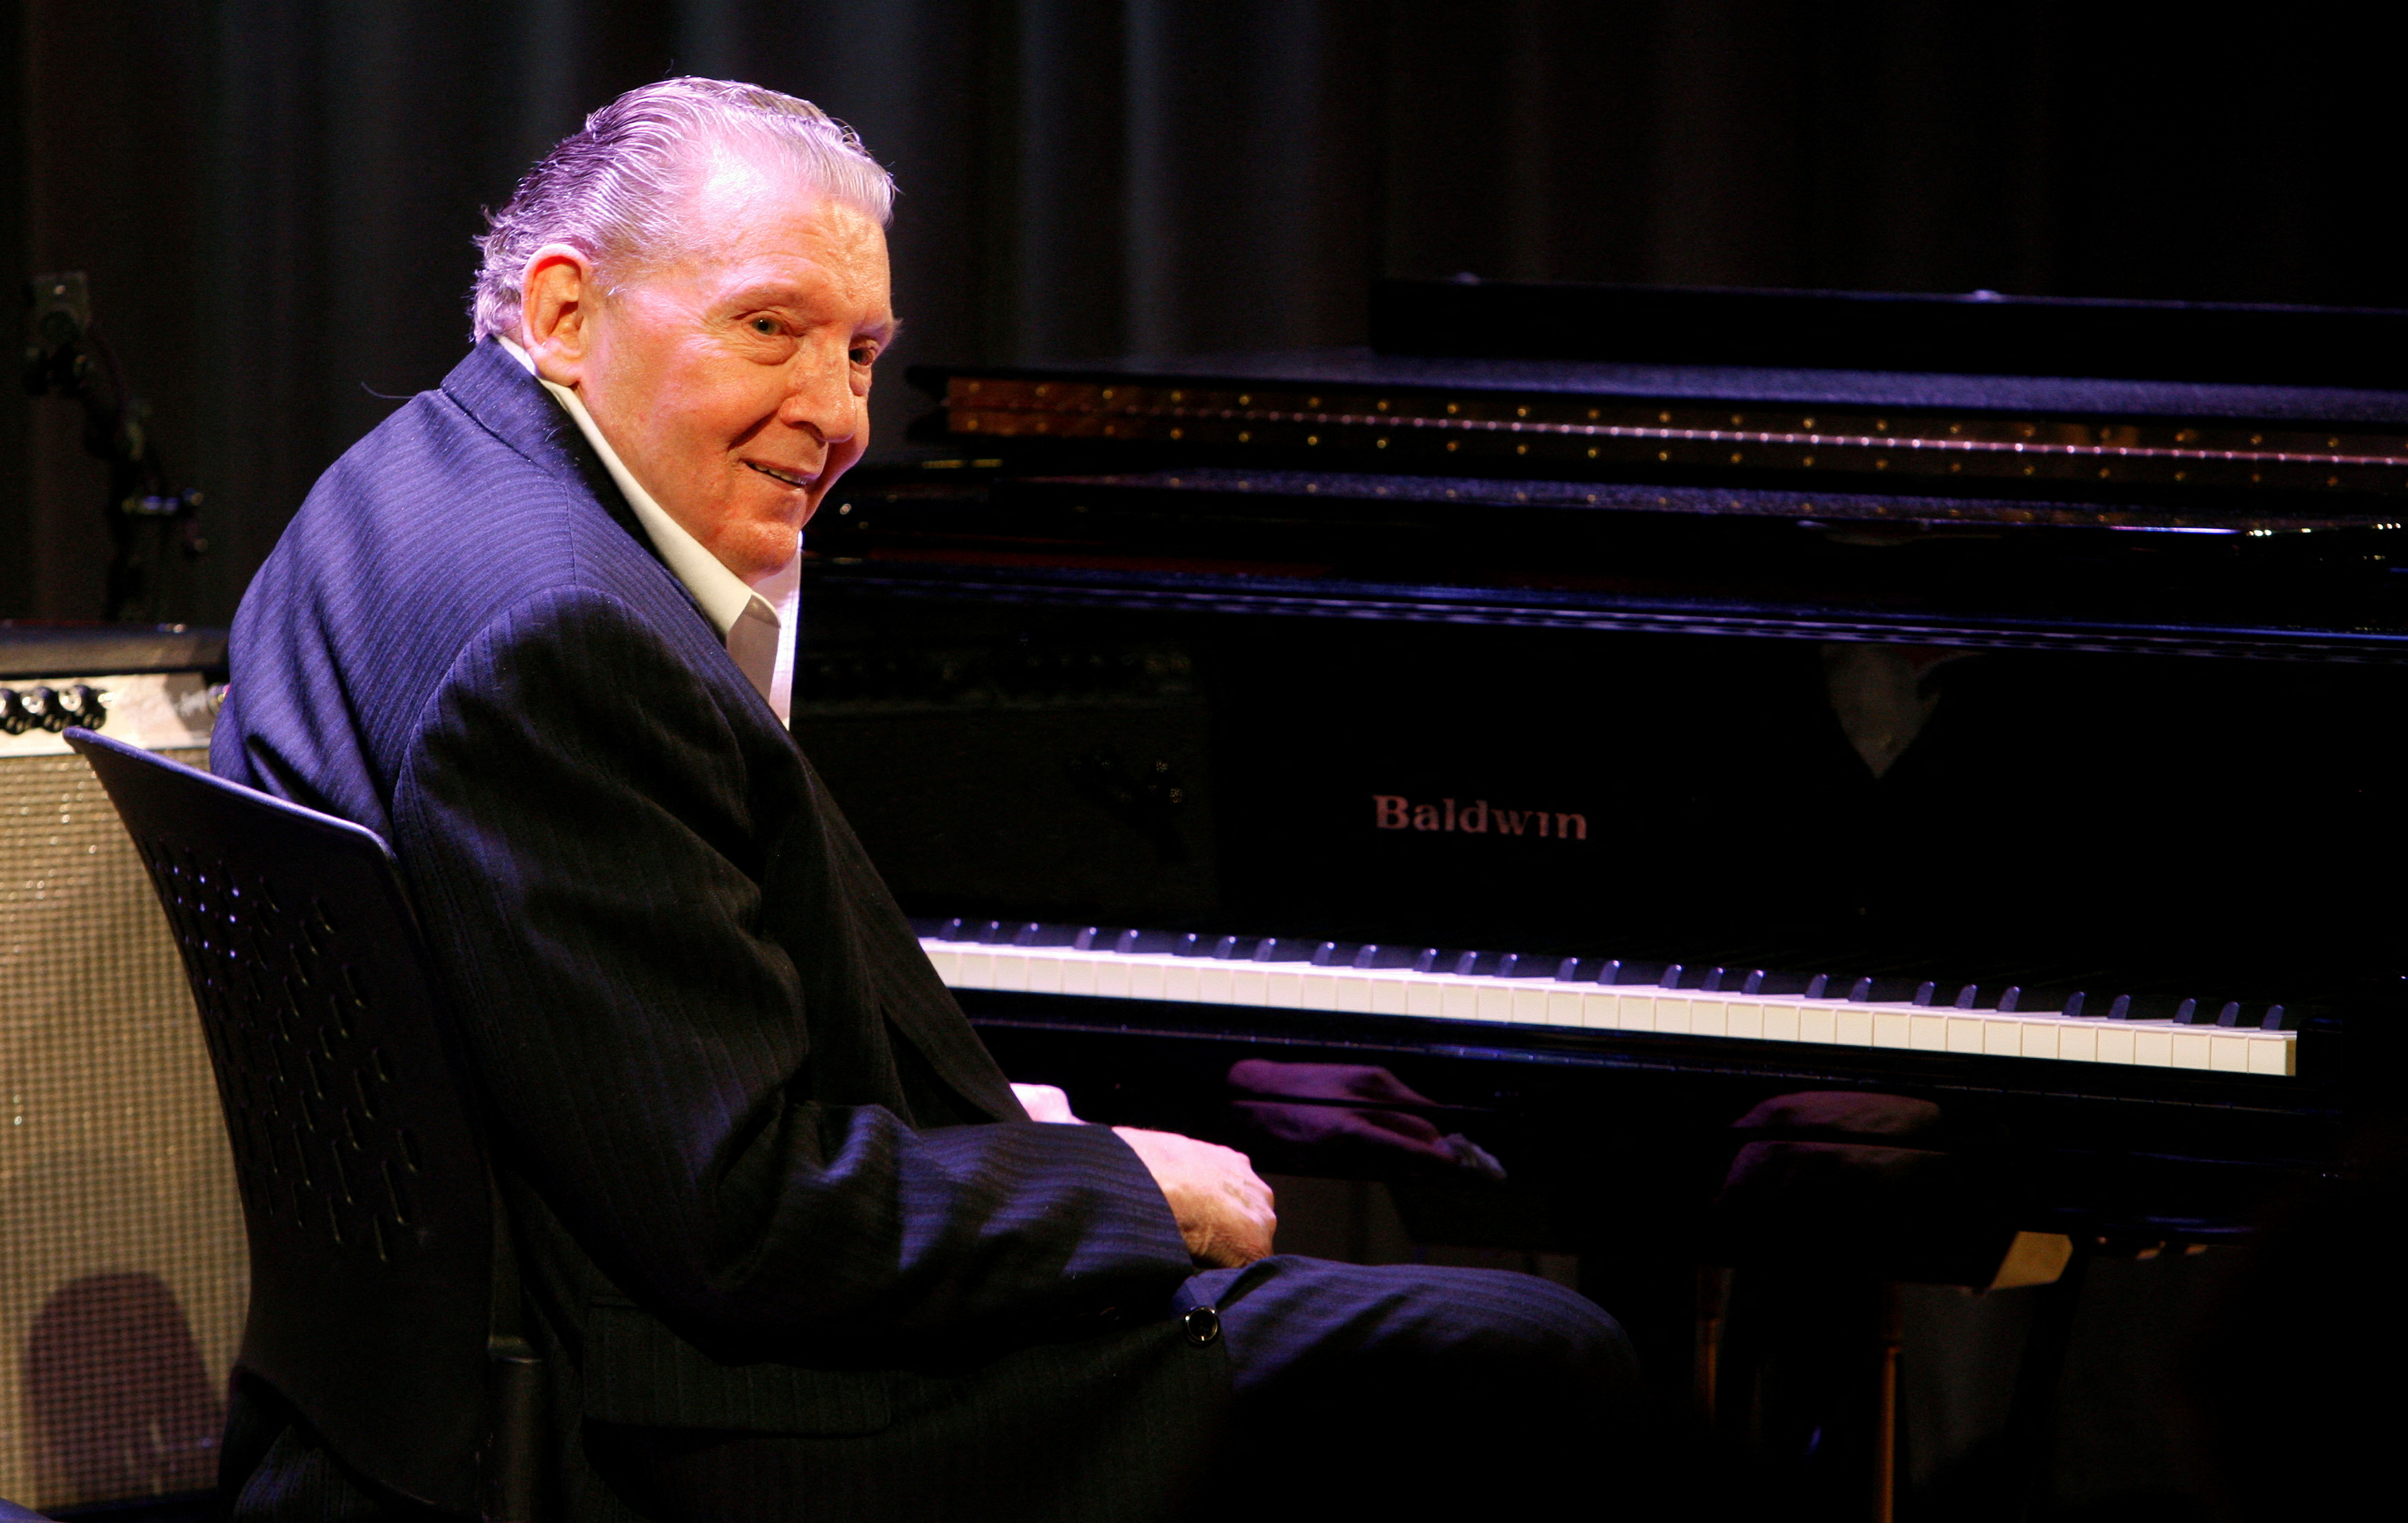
(618, 191)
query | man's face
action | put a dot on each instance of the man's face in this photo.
(734, 382)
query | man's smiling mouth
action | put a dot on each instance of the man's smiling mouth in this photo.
(801, 483)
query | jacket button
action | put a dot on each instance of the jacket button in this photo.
(1203, 1324)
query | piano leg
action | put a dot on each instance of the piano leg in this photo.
(1714, 1304)
(1892, 1335)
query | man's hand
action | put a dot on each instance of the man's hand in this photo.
(1223, 1207)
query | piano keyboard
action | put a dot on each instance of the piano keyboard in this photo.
(1590, 995)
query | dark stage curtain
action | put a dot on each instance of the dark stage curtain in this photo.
(274, 197)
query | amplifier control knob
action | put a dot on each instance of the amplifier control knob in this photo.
(80, 703)
(40, 703)
(13, 718)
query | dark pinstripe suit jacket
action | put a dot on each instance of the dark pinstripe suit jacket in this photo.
(768, 1176)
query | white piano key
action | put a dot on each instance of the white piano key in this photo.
(1709, 1018)
(2227, 1054)
(1493, 1001)
(1182, 980)
(2115, 1044)
(2274, 1053)
(1317, 991)
(1672, 1012)
(2039, 1038)
(1043, 975)
(1284, 989)
(1747, 1018)
(1147, 980)
(2153, 1047)
(1079, 972)
(1897, 1029)
(1394, 997)
(1781, 1021)
(1422, 997)
(947, 961)
(1566, 1006)
(1215, 983)
(978, 970)
(1634, 1012)
(2078, 1042)
(1458, 999)
(1600, 1009)
(2190, 1048)
(1819, 1022)
(1529, 1003)
(1355, 995)
(1966, 1033)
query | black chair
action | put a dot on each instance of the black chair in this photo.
(384, 1300)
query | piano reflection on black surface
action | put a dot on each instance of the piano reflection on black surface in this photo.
(1601, 745)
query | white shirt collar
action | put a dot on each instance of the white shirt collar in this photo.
(756, 619)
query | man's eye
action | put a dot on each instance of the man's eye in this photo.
(864, 353)
(764, 325)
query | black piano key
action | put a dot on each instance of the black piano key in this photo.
(1275, 949)
(1026, 935)
(1752, 983)
(1671, 977)
(2009, 998)
(996, 933)
(1713, 982)
(1926, 992)
(1126, 943)
(1968, 995)
(1567, 971)
(1465, 964)
(2229, 1014)
(2073, 1003)
(1862, 993)
(1228, 948)
(1427, 962)
(2275, 1019)
(1608, 971)
(1816, 985)
(1326, 955)
(2186, 1013)
(1084, 940)
(2120, 1008)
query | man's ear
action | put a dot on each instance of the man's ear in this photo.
(555, 308)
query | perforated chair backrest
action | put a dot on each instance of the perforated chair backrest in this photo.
(366, 1193)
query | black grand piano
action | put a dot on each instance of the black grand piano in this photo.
(1610, 710)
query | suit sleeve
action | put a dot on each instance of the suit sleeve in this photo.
(583, 827)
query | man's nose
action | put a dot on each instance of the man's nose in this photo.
(821, 398)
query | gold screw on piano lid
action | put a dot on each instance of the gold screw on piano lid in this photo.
(1245, 437)
(1592, 451)
(1178, 433)
(1454, 444)
(1663, 418)
(1312, 438)
(1808, 461)
(1451, 407)
(1521, 449)
(1592, 415)
(1244, 401)
(1521, 412)
(1379, 444)
(1381, 403)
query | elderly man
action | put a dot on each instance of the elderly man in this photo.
(793, 1248)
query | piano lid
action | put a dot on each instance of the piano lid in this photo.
(1618, 453)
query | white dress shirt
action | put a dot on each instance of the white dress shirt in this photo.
(757, 618)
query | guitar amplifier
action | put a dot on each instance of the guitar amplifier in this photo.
(124, 1272)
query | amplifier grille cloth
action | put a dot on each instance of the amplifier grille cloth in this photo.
(123, 1274)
